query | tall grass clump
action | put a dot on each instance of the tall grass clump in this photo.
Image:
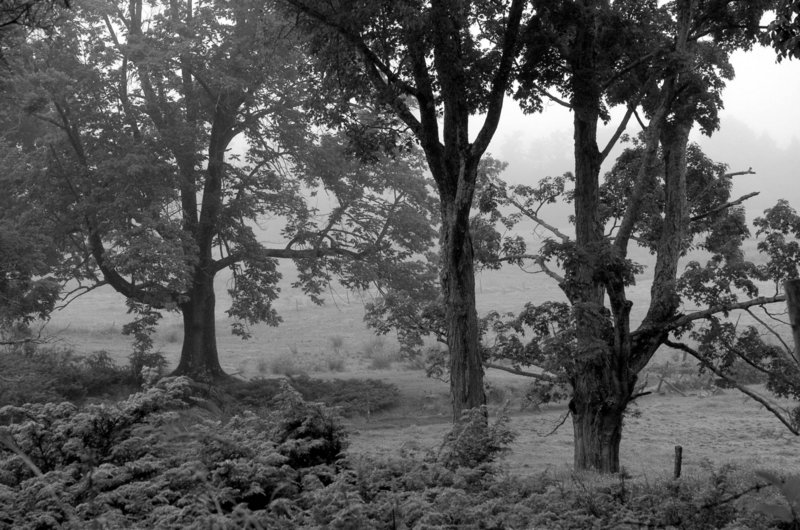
(379, 358)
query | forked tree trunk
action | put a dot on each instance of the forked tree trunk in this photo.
(199, 357)
(458, 285)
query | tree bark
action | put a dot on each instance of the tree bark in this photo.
(458, 284)
(598, 431)
(792, 289)
(199, 358)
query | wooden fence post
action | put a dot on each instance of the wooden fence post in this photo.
(678, 461)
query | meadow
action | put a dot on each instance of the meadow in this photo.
(331, 341)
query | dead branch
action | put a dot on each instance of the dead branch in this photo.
(541, 377)
(725, 206)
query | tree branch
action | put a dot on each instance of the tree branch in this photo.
(686, 319)
(620, 129)
(530, 214)
(358, 43)
(737, 173)
(500, 81)
(553, 98)
(774, 409)
(541, 377)
(644, 175)
(788, 349)
(725, 206)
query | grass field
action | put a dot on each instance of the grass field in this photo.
(332, 341)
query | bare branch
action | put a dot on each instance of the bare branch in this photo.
(530, 214)
(541, 377)
(777, 411)
(725, 206)
(737, 173)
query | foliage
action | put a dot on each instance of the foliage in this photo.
(165, 458)
(116, 96)
(27, 291)
(473, 442)
(349, 396)
(51, 374)
(156, 460)
(409, 493)
(784, 32)
(789, 488)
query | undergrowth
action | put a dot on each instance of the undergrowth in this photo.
(168, 458)
(58, 374)
(350, 396)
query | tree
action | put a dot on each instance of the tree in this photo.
(26, 291)
(784, 32)
(671, 60)
(137, 112)
(31, 13)
(434, 64)
(672, 63)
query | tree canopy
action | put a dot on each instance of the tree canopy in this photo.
(166, 134)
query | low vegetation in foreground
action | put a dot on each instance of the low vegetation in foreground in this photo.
(180, 455)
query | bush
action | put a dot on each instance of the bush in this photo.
(285, 365)
(350, 396)
(375, 351)
(58, 374)
(335, 363)
(147, 361)
(474, 442)
(157, 461)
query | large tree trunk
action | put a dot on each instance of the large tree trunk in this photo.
(597, 422)
(458, 285)
(199, 358)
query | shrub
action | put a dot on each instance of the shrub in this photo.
(147, 361)
(58, 374)
(335, 363)
(155, 461)
(337, 343)
(350, 396)
(474, 442)
(285, 364)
